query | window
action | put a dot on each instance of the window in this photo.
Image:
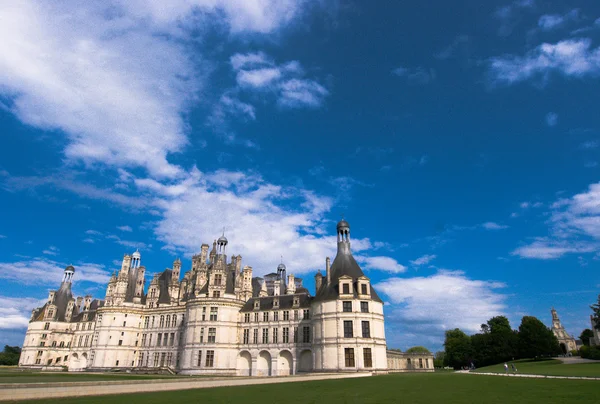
(204, 314)
(124, 323)
(306, 315)
(276, 302)
(246, 336)
(216, 294)
(172, 339)
(257, 304)
(46, 326)
(44, 336)
(168, 319)
(210, 359)
(152, 322)
(349, 357)
(265, 338)
(364, 307)
(199, 358)
(275, 316)
(156, 355)
(174, 321)
(143, 339)
(54, 342)
(363, 289)
(80, 340)
(162, 359)
(295, 334)
(212, 335)
(141, 360)
(348, 329)
(214, 313)
(346, 290)
(146, 321)
(201, 335)
(255, 338)
(218, 279)
(266, 316)
(159, 339)
(367, 358)
(305, 334)
(77, 327)
(162, 321)
(366, 330)
(89, 326)
(347, 307)
(295, 314)
(426, 363)
(421, 363)
(120, 342)
(86, 340)
(150, 340)
(286, 335)
(247, 318)
(275, 335)
(256, 317)
(286, 315)
(42, 343)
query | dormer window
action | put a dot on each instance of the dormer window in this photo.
(256, 304)
(296, 301)
(346, 289)
(276, 303)
(363, 289)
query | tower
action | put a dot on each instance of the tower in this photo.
(567, 342)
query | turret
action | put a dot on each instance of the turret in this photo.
(291, 285)
(203, 253)
(87, 301)
(176, 269)
(318, 281)
(263, 290)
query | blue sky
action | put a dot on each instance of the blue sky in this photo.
(459, 139)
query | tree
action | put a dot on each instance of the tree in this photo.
(438, 359)
(418, 349)
(10, 355)
(596, 316)
(535, 339)
(458, 348)
(586, 335)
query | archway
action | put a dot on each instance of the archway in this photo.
(74, 362)
(83, 361)
(305, 361)
(285, 364)
(563, 347)
(244, 364)
(263, 364)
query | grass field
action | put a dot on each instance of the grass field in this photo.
(548, 367)
(412, 388)
(11, 376)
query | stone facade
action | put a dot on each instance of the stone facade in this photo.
(217, 319)
(566, 341)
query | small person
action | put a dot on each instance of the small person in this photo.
(505, 367)
(514, 368)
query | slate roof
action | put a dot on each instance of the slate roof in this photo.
(285, 302)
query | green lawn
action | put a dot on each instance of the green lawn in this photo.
(548, 367)
(11, 376)
(407, 388)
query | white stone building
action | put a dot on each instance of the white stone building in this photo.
(218, 319)
(566, 341)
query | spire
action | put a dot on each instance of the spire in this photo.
(68, 274)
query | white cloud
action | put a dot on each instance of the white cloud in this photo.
(551, 119)
(51, 251)
(418, 75)
(2, 236)
(590, 144)
(493, 226)
(448, 299)
(571, 58)
(550, 22)
(424, 260)
(43, 271)
(387, 264)
(125, 228)
(15, 312)
(296, 93)
(547, 249)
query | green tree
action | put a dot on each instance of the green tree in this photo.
(10, 356)
(596, 316)
(438, 359)
(535, 339)
(418, 349)
(585, 336)
(458, 348)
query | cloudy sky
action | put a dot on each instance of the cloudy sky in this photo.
(460, 140)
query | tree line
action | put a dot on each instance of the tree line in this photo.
(497, 342)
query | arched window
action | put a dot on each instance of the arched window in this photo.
(174, 324)
(162, 321)
(168, 319)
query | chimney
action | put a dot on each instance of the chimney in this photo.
(318, 281)
(291, 285)
(203, 253)
(328, 270)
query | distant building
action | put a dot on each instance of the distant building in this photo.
(219, 319)
(566, 341)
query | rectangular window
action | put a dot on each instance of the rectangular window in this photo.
(286, 335)
(275, 335)
(366, 330)
(86, 340)
(162, 321)
(368, 358)
(201, 335)
(210, 359)
(265, 338)
(46, 326)
(246, 336)
(172, 339)
(213, 313)
(204, 314)
(305, 334)
(364, 307)
(247, 318)
(266, 316)
(150, 340)
(199, 363)
(286, 315)
(120, 342)
(306, 315)
(156, 355)
(256, 317)
(295, 334)
(421, 363)
(348, 333)
(162, 359)
(275, 316)
(349, 357)
(347, 307)
(124, 323)
(295, 314)
(42, 343)
(363, 289)
(255, 337)
(146, 321)
(346, 289)
(216, 294)
(159, 339)
(218, 279)
(212, 335)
